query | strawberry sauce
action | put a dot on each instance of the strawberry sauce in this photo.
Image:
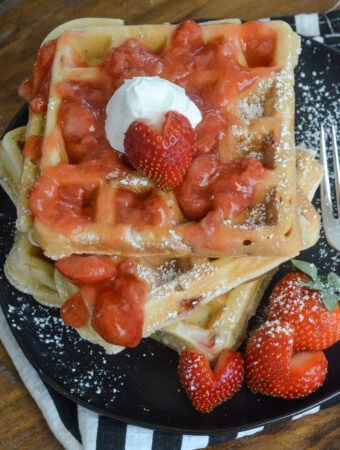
(36, 89)
(109, 293)
(140, 209)
(212, 183)
(33, 147)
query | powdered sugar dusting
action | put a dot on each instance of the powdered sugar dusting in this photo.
(55, 338)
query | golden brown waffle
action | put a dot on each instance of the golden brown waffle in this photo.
(219, 324)
(11, 162)
(260, 124)
(177, 286)
(30, 172)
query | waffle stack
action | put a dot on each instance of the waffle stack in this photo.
(199, 296)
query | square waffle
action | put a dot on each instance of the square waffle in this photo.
(258, 122)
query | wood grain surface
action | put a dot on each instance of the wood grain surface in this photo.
(23, 25)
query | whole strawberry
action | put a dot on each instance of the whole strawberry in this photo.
(273, 369)
(164, 158)
(207, 388)
(292, 300)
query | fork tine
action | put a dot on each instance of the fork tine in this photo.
(336, 169)
(325, 187)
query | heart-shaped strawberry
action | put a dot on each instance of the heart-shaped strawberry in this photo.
(273, 368)
(164, 158)
(207, 388)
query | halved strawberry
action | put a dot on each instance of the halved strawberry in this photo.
(273, 369)
(316, 328)
(164, 158)
(87, 268)
(74, 311)
(207, 388)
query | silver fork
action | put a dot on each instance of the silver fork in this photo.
(331, 225)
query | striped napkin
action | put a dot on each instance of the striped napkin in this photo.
(78, 428)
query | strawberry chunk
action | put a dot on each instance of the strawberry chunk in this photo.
(213, 182)
(118, 314)
(36, 88)
(74, 311)
(109, 292)
(206, 388)
(87, 268)
(315, 327)
(188, 37)
(164, 158)
(273, 369)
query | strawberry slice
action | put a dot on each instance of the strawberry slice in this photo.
(74, 311)
(164, 158)
(316, 328)
(87, 268)
(273, 369)
(207, 388)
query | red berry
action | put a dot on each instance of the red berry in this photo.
(273, 369)
(207, 388)
(118, 314)
(164, 158)
(74, 311)
(315, 327)
(87, 268)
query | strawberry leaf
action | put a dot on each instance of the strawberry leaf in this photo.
(317, 285)
(334, 281)
(306, 267)
(329, 287)
(329, 299)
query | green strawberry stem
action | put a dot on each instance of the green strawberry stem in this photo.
(329, 287)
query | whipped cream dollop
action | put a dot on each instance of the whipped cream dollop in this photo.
(147, 99)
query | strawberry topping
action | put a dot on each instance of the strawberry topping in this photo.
(118, 314)
(74, 311)
(109, 292)
(36, 88)
(87, 268)
(212, 182)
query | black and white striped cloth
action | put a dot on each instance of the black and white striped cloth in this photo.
(78, 428)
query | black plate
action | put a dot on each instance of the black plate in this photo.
(141, 386)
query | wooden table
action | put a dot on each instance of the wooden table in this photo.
(23, 25)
